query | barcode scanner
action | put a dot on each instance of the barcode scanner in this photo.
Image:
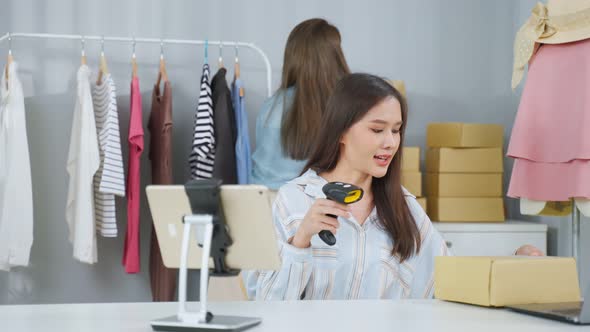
(340, 192)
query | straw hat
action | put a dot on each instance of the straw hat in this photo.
(561, 21)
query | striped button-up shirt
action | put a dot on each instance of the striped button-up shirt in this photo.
(358, 266)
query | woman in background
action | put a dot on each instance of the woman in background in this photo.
(289, 121)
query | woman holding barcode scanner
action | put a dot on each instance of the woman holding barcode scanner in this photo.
(336, 129)
(379, 246)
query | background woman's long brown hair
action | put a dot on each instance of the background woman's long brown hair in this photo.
(313, 63)
(352, 98)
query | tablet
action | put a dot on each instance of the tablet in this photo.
(248, 215)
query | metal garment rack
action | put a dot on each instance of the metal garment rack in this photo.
(83, 38)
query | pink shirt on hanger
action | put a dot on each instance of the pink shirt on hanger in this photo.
(131, 249)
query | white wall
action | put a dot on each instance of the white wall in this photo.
(455, 56)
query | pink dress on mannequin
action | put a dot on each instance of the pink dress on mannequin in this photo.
(550, 139)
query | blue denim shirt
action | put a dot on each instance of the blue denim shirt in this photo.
(358, 266)
(270, 166)
(243, 157)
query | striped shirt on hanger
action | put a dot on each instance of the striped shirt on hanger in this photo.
(202, 157)
(109, 180)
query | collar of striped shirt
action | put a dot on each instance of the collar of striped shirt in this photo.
(313, 184)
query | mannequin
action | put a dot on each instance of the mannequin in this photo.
(550, 146)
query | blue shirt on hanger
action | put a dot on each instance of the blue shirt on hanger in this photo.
(243, 157)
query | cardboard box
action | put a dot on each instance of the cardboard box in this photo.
(422, 202)
(464, 135)
(499, 281)
(464, 184)
(411, 159)
(399, 85)
(412, 181)
(451, 160)
(466, 209)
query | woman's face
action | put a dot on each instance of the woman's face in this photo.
(370, 144)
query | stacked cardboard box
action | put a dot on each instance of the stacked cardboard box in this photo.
(464, 165)
(411, 175)
(399, 85)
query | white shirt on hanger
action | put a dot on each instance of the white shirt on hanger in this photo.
(83, 162)
(16, 195)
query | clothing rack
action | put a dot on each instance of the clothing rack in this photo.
(83, 38)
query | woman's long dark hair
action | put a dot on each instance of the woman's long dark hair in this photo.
(353, 96)
(313, 63)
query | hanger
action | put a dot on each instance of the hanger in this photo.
(8, 59)
(220, 60)
(133, 61)
(83, 50)
(237, 69)
(237, 63)
(103, 68)
(162, 74)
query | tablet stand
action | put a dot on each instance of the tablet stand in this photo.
(207, 214)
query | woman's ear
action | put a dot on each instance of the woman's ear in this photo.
(344, 137)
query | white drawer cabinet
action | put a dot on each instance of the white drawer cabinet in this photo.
(500, 239)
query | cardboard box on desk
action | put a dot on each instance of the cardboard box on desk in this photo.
(412, 181)
(464, 135)
(411, 159)
(466, 209)
(451, 160)
(500, 281)
(464, 184)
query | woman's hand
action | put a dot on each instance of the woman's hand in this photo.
(317, 220)
(529, 250)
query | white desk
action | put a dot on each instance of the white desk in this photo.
(492, 239)
(326, 316)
